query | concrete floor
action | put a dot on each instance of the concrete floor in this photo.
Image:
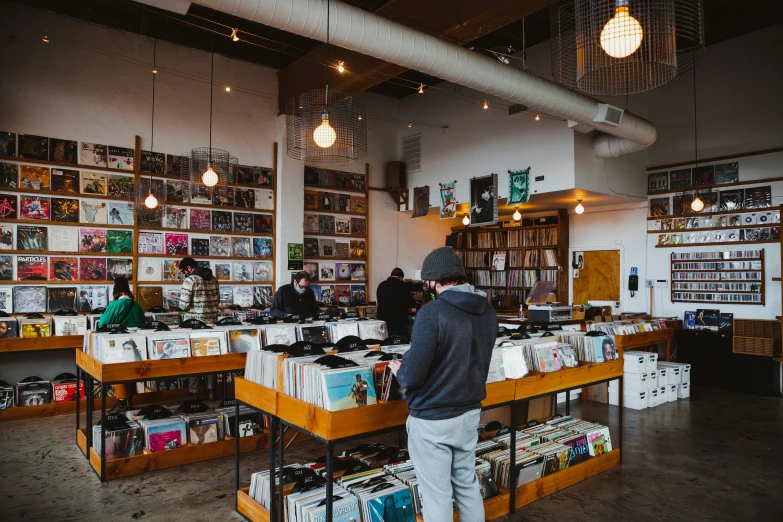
(714, 457)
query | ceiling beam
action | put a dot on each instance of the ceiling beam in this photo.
(458, 21)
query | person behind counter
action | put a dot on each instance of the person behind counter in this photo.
(296, 298)
(394, 302)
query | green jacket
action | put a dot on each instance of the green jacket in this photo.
(126, 312)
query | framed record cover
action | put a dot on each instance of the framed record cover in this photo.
(154, 162)
(92, 269)
(93, 155)
(658, 182)
(262, 223)
(65, 181)
(36, 178)
(727, 173)
(358, 182)
(421, 201)
(244, 197)
(703, 176)
(33, 147)
(63, 268)
(7, 143)
(758, 197)
(120, 158)
(659, 207)
(34, 207)
(484, 200)
(63, 151)
(65, 210)
(342, 180)
(8, 206)
(120, 187)
(9, 175)
(31, 238)
(680, 179)
(732, 199)
(262, 247)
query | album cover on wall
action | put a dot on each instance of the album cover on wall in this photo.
(199, 246)
(311, 224)
(358, 182)
(61, 298)
(65, 181)
(176, 244)
(122, 186)
(659, 207)
(328, 295)
(310, 175)
(32, 268)
(120, 213)
(680, 179)
(200, 219)
(262, 271)
(263, 176)
(94, 183)
(171, 298)
(92, 269)
(63, 151)
(31, 238)
(7, 143)
(242, 272)
(342, 225)
(358, 295)
(310, 200)
(310, 247)
(154, 162)
(262, 223)
(63, 239)
(243, 222)
(262, 247)
(119, 268)
(8, 206)
(219, 246)
(171, 270)
(63, 268)
(658, 182)
(727, 173)
(264, 199)
(326, 178)
(357, 272)
(35, 178)
(342, 180)
(150, 269)
(34, 207)
(93, 212)
(91, 297)
(173, 165)
(682, 204)
(326, 246)
(758, 197)
(29, 299)
(484, 200)
(65, 210)
(6, 268)
(325, 201)
(710, 200)
(200, 193)
(343, 293)
(342, 202)
(358, 227)
(175, 217)
(150, 217)
(120, 158)
(6, 237)
(223, 196)
(221, 221)
(92, 240)
(93, 155)
(358, 204)
(150, 243)
(33, 147)
(243, 295)
(342, 249)
(9, 175)
(226, 298)
(326, 271)
(358, 248)
(732, 199)
(244, 197)
(326, 224)
(222, 271)
(703, 176)
(177, 191)
(9, 328)
(312, 269)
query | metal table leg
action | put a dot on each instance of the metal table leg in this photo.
(88, 423)
(78, 380)
(272, 479)
(622, 407)
(329, 479)
(236, 438)
(513, 449)
(568, 402)
(281, 465)
(103, 432)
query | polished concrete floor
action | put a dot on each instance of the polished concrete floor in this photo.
(716, 456)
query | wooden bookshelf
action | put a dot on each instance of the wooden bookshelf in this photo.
(761, 281)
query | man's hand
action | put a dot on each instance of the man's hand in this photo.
(394, 366)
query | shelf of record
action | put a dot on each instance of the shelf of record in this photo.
(703, 178)
(335, 180)
(735, 277)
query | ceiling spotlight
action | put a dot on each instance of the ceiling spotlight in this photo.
(45, 38)
(228, 88)
(697, 205)
(154, 70)
(466, 220)
(538, 117)
(486, 104)
(340, 67)
(410, 124)
(234, 35)
(517, 215)
(579, 208)
(421, 89)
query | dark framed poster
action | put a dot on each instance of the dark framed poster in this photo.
(484, 200)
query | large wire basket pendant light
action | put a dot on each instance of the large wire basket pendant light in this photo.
(326, 127)
(209, 166)
(620, 47)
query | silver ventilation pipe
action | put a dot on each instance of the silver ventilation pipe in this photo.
(366, 33)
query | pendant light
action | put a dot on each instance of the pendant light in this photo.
(209, 178)
(466, 220)
(697, 205)
(517, 215)
(145, 194)
(620, 47)
(325, 127)
(579, 209)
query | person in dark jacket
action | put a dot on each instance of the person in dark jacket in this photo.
(445, 373)
(295, 299)
(394, 301)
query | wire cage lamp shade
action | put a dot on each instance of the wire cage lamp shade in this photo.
(209, 166)
(305, 129)
(620, 47)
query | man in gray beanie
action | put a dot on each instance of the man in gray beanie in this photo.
(445, 375)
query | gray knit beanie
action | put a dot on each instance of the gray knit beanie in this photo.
(441, 262)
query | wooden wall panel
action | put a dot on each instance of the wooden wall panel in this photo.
(599, 280)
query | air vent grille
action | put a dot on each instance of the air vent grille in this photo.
(411, 153)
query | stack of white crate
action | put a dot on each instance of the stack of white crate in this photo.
(648, 383)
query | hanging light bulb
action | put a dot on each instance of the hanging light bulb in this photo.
(538, 117)
(517, 215)
(154, 70)
(324, 135)
(622, 35)
(45, 38)
(234, 35)
(698, 204)
(486, 105)
(579, 208)
(410, 124)
(210, 177)
(360, 117)
(228, 88)
(421, 89)
(466, 220)
(151, 201)
(340, 67)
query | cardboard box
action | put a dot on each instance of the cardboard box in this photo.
(663, 377)
(685, 369)
(684, 390)
(634, 362)
(596, 393)
(672, 373)
(635, 382)
(671, 392)
(663, 395)
(652, 380)
(636, 401)
(652, 398)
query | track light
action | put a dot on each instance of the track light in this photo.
(538, 117)
(421, 89)
(228, 88)
(579, 208)
(340, 67)
(234, 35)
(697, 205)
(486, 105)
(45, 38)
(410, 124)
(517, 215)
(466, 220)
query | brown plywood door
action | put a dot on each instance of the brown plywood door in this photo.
(599, 277)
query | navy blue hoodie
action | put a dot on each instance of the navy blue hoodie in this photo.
(445, 370)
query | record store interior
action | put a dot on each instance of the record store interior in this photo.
(391, 260)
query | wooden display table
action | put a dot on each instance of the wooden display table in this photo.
(332, 427)
(61, 342)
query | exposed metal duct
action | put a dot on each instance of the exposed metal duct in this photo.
(358, 30)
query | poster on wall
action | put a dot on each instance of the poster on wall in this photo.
(448, 200)
(421, 201)
(295, 256)
(579, 260)
(484, 200)
(518, 186)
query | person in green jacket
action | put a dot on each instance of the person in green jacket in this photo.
(126, 311)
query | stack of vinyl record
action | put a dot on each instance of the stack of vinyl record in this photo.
(123, 438)
(204, 427)
(251, 422)
(164, 434)
(284, 333)
(261, 367)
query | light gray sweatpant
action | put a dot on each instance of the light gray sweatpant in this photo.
(444, 455)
